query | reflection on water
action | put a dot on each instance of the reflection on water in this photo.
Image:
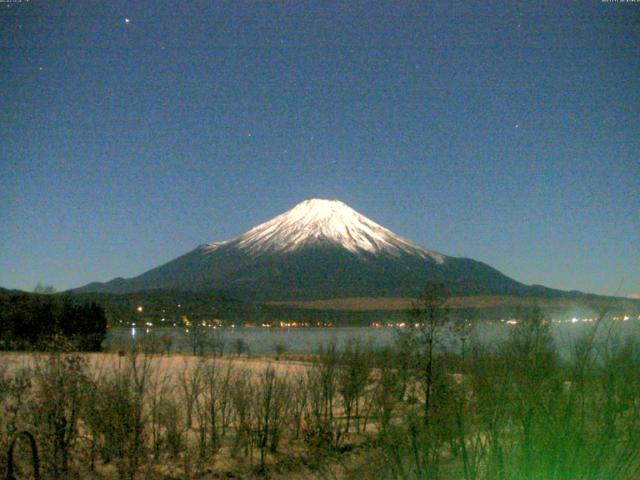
(307, 340)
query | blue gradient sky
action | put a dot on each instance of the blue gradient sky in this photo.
(505, 133)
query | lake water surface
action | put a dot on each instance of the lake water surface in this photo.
(307, 340)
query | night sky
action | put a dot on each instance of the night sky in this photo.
(131, 132)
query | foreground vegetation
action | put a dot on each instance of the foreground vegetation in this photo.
(516, 410)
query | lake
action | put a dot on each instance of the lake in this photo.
(261, 341)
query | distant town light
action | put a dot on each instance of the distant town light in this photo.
(140, 308)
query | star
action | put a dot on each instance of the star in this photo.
(517, 125)
(127, 20)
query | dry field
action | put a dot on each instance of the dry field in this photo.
(173, 364)
(471, 301)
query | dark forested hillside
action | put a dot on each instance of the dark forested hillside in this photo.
(30, 321)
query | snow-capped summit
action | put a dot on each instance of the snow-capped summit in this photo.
(316, 222)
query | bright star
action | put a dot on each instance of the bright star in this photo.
(127, 20)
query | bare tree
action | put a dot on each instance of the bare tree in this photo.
(190, 379)
(352, 379)
(59, 381)
(429, 315)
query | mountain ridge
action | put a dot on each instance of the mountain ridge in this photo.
(319, 249)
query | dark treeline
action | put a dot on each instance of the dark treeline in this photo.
(29, 321)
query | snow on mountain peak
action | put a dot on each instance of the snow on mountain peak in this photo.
(318, 221)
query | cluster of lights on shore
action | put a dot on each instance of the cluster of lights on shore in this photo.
(186, 323)
(217, 323)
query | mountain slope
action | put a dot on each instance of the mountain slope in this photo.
(319, 249)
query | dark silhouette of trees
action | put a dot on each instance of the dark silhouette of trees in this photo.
(31, 321)
(45, 289)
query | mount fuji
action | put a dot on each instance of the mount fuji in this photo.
(320, 249)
